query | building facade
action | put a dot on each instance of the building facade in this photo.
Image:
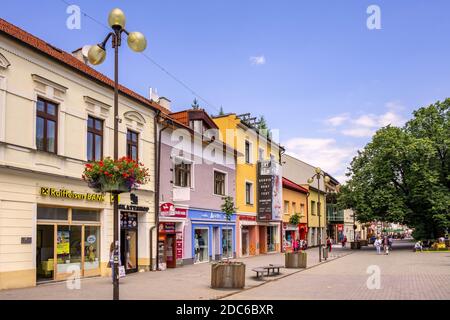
(56, 115)
(299, 172)
(255, 235)
(196, 174)
(295, 202)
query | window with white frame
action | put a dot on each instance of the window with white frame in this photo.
(248, 151)
(249, 193)
(183, 175)
(286, 207)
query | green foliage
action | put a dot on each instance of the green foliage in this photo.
(295, 219)
(228, 207)
(221, 112)
(403, 174)
(263, 128)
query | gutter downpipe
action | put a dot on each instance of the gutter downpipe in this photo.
(157, 189)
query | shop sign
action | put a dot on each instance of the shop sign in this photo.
(179, 246)
(128, 220)
(269, 191)
(167, 227)
(210, 215)
(69, 194)
(133, 208)
(91, 239)
(247, 218)
(169, 210)
(340, 227)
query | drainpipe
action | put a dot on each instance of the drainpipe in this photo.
(151, 248)
(158, 183)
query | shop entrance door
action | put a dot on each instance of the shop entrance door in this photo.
(170, 247)
(45, 252)
(245, 241)
(129, 241)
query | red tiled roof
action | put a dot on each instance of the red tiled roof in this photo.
(70, 61)
(293, 186)
(181, 116)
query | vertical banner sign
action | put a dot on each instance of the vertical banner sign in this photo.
(179, 246)
(265, 190)
(277, 189)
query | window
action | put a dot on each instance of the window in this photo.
(249, 193)
(313, 207)
(219, 183)
(286, 207)
(132, 145)
(247, 152)
(94, 139)
(47, 213)
(85, 215)
(183, 175)
(302, 208)
(294, 207)
(46, 125)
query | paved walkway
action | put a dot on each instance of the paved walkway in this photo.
(403, 275)
(187, 282)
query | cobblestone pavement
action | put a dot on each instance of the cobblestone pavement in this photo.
(403, 275)
(188, 282)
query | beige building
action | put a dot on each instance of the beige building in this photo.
(55, 114)
(349, 222)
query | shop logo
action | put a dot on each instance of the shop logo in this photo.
(45, 191)
(62, 193)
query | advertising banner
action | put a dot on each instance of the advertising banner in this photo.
(269, 191)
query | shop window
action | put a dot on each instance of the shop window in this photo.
(183, 175)
(46, 125)
(91, 248)
(46, 213)
(94, 139)
(201, 245)
(219, 183)
(68, 249)
(227, 243)
(85, 215)
(132, 145)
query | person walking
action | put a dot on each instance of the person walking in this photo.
(295, 245)
(344, 241)
(111, 259)
(386, 245)
(377, 245)
(329, 244)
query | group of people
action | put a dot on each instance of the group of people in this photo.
(298, 245)
(384, 243)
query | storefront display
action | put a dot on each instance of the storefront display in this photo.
(128, 241)
(171, 245)
(201, 244)
(60, 235)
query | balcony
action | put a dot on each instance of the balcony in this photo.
(334, 215)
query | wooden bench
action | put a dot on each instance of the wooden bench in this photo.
(260, 271)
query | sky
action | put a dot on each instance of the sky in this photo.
(314, 69)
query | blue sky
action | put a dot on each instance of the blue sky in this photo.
(313, 68)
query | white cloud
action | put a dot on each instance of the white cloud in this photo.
(258, 60)
(337, 120)
(367, 124)
(325, 153)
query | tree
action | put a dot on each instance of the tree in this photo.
(229, 209)
(195, 104)
(221, 112)
(262, 127)
(403, 176)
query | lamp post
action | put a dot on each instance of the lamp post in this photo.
(319, 173)
(96, 55)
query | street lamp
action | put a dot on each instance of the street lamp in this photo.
(319, 173)
(96, 55)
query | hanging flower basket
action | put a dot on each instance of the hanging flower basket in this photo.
(118, 176)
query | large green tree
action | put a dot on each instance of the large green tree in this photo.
(403, 174)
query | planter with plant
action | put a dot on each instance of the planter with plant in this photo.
(227, 273)
(295, 259)
(115, 176)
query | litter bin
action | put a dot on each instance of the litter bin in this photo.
(325, 253)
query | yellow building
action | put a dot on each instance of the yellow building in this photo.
(256, 236)
(315, 214)
(295, 202)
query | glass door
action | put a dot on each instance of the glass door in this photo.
(91, 261)
(68, 251)
(45, 252)
(245, 242)
(128, 248)
(227, 243)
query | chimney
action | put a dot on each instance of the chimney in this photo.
(165, 103)
(82, 54)
(153, 95)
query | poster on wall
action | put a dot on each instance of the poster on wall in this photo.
(277, 188)
(63, 242)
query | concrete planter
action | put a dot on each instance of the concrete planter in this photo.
(355, 245)
(363, 243)
(295, 259)
(228, 275)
